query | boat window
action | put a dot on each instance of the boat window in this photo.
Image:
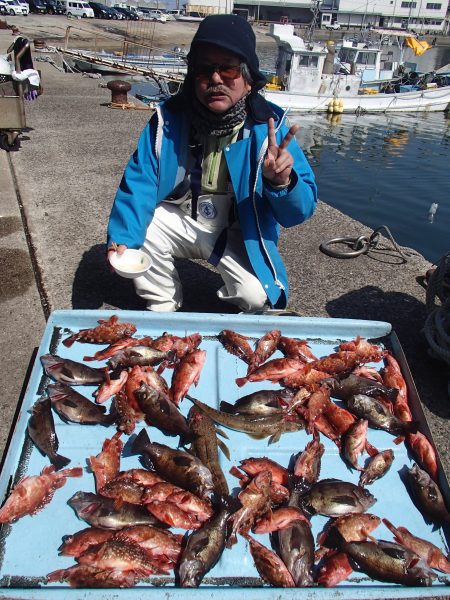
(306, 60)
(347, 55)
(366, 58)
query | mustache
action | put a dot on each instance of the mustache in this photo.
(216, 89)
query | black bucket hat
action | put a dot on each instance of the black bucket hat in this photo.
(232, 33)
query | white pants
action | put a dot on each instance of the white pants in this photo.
(172, 234)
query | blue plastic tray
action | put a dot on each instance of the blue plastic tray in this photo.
(28, 548)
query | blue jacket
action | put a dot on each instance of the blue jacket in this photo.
(156, 168)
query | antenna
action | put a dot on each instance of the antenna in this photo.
(314, 7)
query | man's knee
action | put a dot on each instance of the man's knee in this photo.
(251, 296)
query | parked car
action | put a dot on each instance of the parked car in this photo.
(77, 8)
(25, 5)
(37, 6)
(101, 11)
(333, 26)
(14, 8)
(115, 13)
(156, 15)
(55, 7)
(128, 14)
(3, 10)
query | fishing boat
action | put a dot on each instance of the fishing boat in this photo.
(109, 64)
(310, 77)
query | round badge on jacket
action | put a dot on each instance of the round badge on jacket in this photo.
(207, 209)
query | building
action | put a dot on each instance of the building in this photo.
(421, 16)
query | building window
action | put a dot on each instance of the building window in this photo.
(409, 4)
(434, 6)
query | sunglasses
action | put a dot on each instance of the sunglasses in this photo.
(206, 70)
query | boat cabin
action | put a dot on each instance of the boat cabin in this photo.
(367, 61)
(308, 67)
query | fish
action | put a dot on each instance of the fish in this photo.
(427, 495)
(142, 356)
(355, 442)
(117, 347)
(236, 344)
(123, 490)
(107, 332)
(155, 541)
(110, 387)
(205, 445)
(307, 466)
(426, 550)
(296, 548)
(387, 561)
(41, 429)
(76, 408)
(334, 570)
(269, 565)
(265, 347)
(334, 498)
(162, 413)
(172, 515)
(101, 512)
(205, 546)
(261, 403)
(126, 416)
(32, 493)
(253, 466)
(119, 554)
(106, 464)
(186, 373)
(79, 542)
(279, 518)
(378, 415)
(293, 348)
(258, 427)
(424, 452)
(177, 466)
(255, 501)
(85, 576)
(353, 384)
(353, 528)
(70, 372)
(378, 466)
(273, 370)
(366, 351)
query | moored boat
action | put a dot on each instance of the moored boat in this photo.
(309, 78)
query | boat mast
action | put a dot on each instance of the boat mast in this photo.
(314, 7)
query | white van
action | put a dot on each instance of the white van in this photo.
(78, 8)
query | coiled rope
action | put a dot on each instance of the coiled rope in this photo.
(360, 245)
(437, 324)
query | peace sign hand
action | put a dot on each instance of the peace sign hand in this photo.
(278, 163)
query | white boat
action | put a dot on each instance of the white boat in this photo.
(309, 78)
(103, 62)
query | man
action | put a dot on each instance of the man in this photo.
(214, 175)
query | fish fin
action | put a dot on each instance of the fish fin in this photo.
(371, 450)
(398, 440)
(227, 407)
(222, 433)
(224, 449)
(140, 442)
(274, 438)
(240, 381)
(187, 438)
(59, 461)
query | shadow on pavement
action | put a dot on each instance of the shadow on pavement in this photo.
(95, 286)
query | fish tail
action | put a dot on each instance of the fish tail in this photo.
(140, 442)
(70, 340)
(240, 381)
(59, 461)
